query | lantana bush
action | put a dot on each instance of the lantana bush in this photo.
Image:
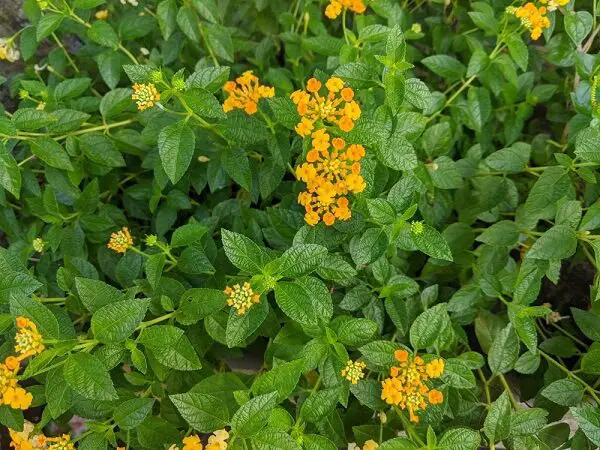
(300, 225)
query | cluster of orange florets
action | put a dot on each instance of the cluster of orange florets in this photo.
(534, 18)
(407, 385)
(24, 440)
(332, 169)
(245, 92)
(120, 241)
(316, 111)
(28, 342)
(335, 7)
(241, 298)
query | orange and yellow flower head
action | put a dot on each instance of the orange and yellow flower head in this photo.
(245, 92)
(336, 107)
(553, 5)
(120, 241)
(145, 95)
(11, 393)
(28, 340)
(331, 171)
(217, 441)
(532, 17)
(60, 443)
(354, 371)
(407, 386)
(241, 297)
(335, 7)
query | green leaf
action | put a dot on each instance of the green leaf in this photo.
(176, 145)
(379, 354)
(236, 164)
(187, 234)
(274, 440)
(459, 439)
(30, 119)
(11, 418)
(166, 14)
(131, 413)
(298, 260)
(355, 332)
(86, 375)
(445, 66)
(305, 300)
(170, 346)
(48, 24)
(202, 412)
(95, 294)
(285, 111)
(116, 321)
(428, 326)
(243, 252)
(458, 374)
(197, 304)
(71, 88)
(591, 218)
(504, 233)
(497, 422)
(511, 159)
(253, 415)
(395, 88)
(578, 25)
(10, 175)
(87, 4)
(357, 75)
(395, 45)
(282, 378)
(319, 404)
(115, 102)
(381, 211)
(565, 392)
(590, 363)
(586, 145)
(51, 152)
(430, 241)
(588, 322)
(559, 242)
(99, 149)
(219, 39)
(518, 51)
(504, 351)
(398, 444)
(528, 421)
(207, 9)
(22, 305)
(588, 419)
(102, 33)
(417, 93)
(369, 246)
(241, 326)
(397, 153)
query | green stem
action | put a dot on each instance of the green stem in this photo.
(409, 428)
(509, 391)
(589, 388)
(344, 26)
(211, 52)
(155, 321)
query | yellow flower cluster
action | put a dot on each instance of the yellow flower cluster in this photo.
(337, 107)
(38, 245)
(335, 7)
(331, 171)
(28, 339)
(145, 95)
(102, 14)
(407, 386)
(245, 92)
(553, 5)
(369, 445)
(120, 241)
(23, 441)
(354, 371)
(532, 18)
(241, 297)
(28, 342)
(218, 441)
(8, 51)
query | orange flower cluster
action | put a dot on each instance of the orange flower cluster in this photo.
(145, 95)
(120, 241)
(337, 107)
(335, 7)
(23, 441)
(332, 170)
(532, 18)
(407, 386)
(28, 342)
(218, 441)
(245, 92)
(241, 297)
